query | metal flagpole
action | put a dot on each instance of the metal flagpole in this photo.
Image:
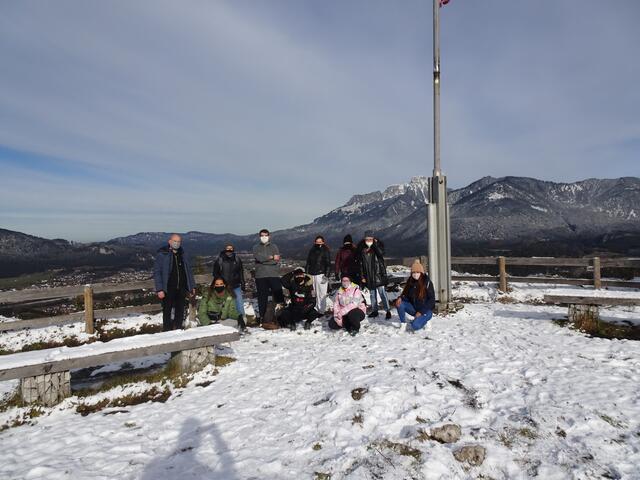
(439, 237)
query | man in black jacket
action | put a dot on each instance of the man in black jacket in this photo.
(174, 280)
(319, 266)
(229, 266)
(373, 271)
(302, 300)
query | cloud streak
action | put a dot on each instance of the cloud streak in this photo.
(227, 116)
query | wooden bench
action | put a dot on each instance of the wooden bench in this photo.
(45, 375)
(584, 309)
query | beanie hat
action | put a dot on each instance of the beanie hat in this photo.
(298, 270)
(417, 267)
(369, 233)
(347, 239)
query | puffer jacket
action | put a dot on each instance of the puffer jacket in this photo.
(346, 300)
(223, 307)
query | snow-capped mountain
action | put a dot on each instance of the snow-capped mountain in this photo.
(492, 212)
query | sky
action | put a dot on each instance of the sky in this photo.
(228, 116)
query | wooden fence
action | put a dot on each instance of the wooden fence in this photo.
(596, 264)
(501, 278)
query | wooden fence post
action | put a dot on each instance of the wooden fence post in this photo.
(88, 309)
(502, 272)
(597, 283)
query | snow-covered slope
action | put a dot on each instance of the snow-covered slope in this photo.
(544, 401)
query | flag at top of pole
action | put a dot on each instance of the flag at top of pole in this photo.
(443, 2)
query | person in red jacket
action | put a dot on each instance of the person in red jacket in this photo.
(346, 260)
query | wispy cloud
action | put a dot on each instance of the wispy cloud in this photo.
(230, 115)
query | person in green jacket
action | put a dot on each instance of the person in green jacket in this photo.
(218, 305)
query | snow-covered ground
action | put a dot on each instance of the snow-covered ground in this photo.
(545, 401)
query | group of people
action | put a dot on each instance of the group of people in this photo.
(357, 267)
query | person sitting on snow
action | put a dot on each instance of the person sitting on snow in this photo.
(218, 305)
(348, 307)
(302, 301)
(418, 298)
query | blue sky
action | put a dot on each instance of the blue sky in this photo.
(226, 116)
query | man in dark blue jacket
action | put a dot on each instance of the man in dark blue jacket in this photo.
(174, 281)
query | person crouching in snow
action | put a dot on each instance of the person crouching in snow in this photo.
(417, 298)
(300, 308)
(218, 305)
(348, 307)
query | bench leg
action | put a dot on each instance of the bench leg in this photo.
(190, 361)
(48, 389)
(584, 317)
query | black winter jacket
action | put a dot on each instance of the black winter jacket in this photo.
(318, 261)
(371, 264)
(301, 295)
(229, 268)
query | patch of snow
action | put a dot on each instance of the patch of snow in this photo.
(535, 207)
(493, 196)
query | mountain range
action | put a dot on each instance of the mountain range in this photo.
(513, 215)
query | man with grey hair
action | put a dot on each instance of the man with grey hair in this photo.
(173, 281)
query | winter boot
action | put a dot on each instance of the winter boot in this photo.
(307, 324)
(373, 314)
(242, 326)
(388, 315)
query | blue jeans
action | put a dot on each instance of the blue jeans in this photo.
(418, 323)
(239, 300)
(374, 298)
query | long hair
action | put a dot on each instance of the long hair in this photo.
(421, 283)
(226, 287)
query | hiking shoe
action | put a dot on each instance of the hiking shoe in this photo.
(373, 314)
(353, 333)
(388, 315)
(242, 326)
(307, 325)
(270, 326)
(292, 326)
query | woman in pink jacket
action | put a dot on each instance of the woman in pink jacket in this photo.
(348, 307)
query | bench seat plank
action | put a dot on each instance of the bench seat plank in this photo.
(27, 364)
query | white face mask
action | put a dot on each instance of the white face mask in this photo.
(416, 275)
(175, 244)
(264, 240)
(368, 244)
(346, 285)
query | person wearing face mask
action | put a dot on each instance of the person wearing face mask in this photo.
(229, 266)
(373, 271)
(267, 273)
(418, 298)
(218, 305)
(302, 301)
(318, 266)
(173, 280)
(345, 259)
(348, 307)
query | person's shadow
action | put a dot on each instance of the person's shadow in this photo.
(183, 463)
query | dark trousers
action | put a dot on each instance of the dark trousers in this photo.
(350, 321)
(173, 300)
(289, 315)
(268, 286)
